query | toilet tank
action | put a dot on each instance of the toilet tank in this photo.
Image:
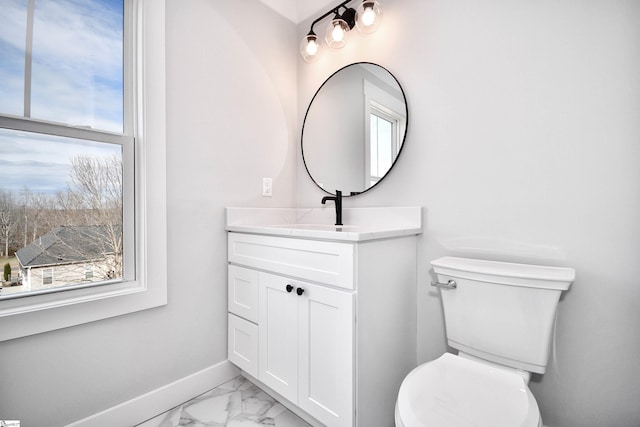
(502, 312)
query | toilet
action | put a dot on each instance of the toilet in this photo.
(499, 316)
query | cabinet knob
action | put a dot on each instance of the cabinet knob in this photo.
(289, 288)
(299, 291)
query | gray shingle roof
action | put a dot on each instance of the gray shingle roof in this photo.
(67, 245)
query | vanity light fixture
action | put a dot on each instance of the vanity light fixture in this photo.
(337, 30)
(367, 18)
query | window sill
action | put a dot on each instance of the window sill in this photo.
(45, 313)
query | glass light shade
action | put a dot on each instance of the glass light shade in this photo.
(336, 33)
(368, 16)
(310, 47)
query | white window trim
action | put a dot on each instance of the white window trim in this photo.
(42, 313)
(380, 113)
(377, 99)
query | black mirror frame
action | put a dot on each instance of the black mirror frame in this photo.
(404, 137)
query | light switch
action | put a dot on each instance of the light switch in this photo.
(267, 187)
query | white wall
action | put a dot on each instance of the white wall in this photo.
(231, 120)
(523, 145)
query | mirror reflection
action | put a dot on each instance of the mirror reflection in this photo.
(354, 129)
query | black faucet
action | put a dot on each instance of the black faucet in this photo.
(338, 200)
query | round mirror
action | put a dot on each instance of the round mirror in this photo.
(354, 129)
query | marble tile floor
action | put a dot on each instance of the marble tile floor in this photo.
(237, 403)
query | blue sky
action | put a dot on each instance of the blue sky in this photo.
(42, 163)
(76, 80)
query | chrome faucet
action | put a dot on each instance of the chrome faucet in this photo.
(338, 201)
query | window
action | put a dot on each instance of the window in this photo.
(88, 272)
(383, 141)
(47, 276)
(64, 190)
(80, 142)
(63, 61)
(384, 123)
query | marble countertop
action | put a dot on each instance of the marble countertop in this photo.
(360, 224)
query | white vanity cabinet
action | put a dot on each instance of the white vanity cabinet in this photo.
(306, 346)
(327, 325)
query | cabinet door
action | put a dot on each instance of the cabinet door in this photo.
(326, 324)
(278, 341)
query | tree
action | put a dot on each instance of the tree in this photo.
(7, 272)
(8, 218)
(39, 214)
(96, 194)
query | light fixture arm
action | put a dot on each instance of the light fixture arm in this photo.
(333, 10)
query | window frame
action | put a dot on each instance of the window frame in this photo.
(47, 273)
(89, 271)
(144, 286)
(381, 103)
(381, 114)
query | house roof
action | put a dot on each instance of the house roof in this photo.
(68, 245)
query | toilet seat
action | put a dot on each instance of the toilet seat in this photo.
(452, 391)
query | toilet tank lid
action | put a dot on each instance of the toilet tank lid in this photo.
(507, 269)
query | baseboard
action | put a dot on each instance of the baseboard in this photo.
(148, 405)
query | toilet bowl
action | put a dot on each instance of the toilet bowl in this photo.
(453, 391)
(499, 316)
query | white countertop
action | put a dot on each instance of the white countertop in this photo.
(360, 224)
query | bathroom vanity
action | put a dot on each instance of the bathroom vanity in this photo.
(321, 316)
